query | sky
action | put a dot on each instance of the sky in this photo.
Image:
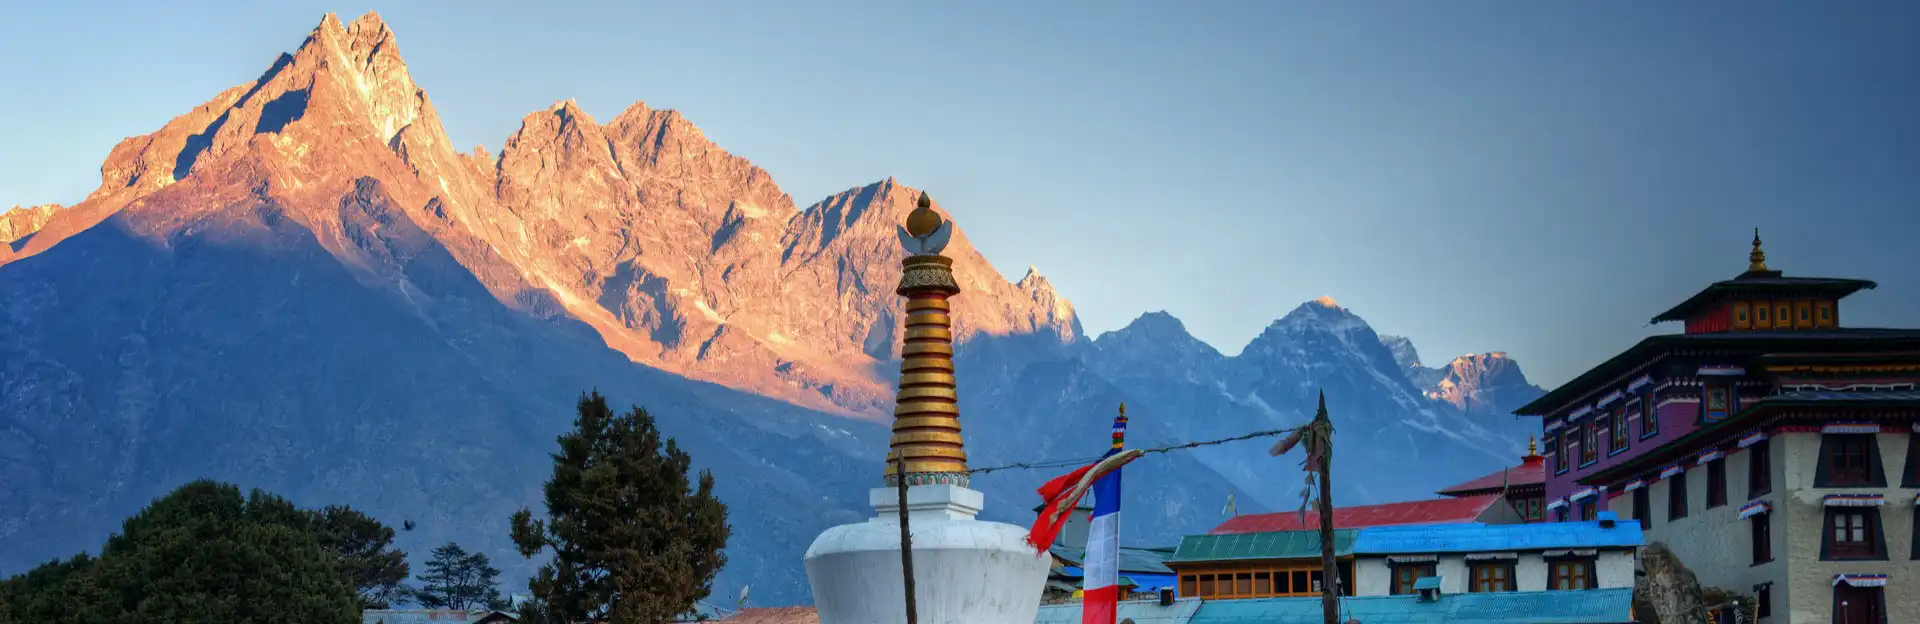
(1534, 177)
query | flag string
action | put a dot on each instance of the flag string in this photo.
(1062, 463)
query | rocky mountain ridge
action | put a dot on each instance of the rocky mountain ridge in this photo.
(301, 285)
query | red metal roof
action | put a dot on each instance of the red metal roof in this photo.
(1531, 471)
(1436, 511)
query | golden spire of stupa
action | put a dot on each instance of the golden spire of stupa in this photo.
(1756, 259)
(926, 415)
(1532, 450)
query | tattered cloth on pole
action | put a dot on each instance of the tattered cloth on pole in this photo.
(1065, 491)
(1317, 438)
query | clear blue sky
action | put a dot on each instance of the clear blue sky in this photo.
(1535, 177)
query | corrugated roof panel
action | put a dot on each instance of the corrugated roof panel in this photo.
(1269, 545)
(1439, 538)
(1434, 511)
(1131, 559)
(1142, 611)
(1593, 606)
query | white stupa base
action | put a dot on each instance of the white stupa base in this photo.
(965, 571)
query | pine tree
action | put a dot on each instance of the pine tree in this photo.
(457, 579)
(633, 540)
(364, 548)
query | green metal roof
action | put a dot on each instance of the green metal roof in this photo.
(1269, 545)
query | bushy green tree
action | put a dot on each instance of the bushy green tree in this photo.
(633, 539)
(457, 579)
(364, 548)
(208, 553)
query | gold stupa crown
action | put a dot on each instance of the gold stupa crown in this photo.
(926, 413)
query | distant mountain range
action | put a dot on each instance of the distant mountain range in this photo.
(302, 286)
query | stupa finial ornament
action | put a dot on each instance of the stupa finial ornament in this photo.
(1756, 259)
(926, 414)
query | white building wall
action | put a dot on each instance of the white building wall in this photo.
(1612, 568)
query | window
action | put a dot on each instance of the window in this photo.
(1760, 313)
(1848, 460)
(1619, 430)
(1405, 575)
(1716, 483)
(1740, 314)
(1859, 605)
(1852, 533)
(1677, 497)
(1558, 514)
(1569, 441)
(1759, 470)
(1782, 317)
(1559, 458)
(1763, 596)
(1717, 404)
(1492, 576)
(1586, 509)
(1565, 574)
(1642, 508)
(1589, 444)
(1650, 422)
(1762, 538)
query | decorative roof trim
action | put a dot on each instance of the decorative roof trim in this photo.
(1634, 485)
(1642, 382)
(1709, 455)
(1854, 500)
(1580, 413)
(1721, 371)
(1754, 508)
(1610, 398)
(1492, 556)
(1413, 558)
(1672, 400)
(1583, 494)
(1851, 427)
(1860, 580)
(1552, 427)
(1572, 552)
(1557, 503)
(1751, 439)
(1671, 471)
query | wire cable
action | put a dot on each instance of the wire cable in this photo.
(1062, 463)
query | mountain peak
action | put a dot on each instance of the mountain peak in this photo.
(1325, 301)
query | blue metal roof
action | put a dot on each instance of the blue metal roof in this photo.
(1442, 538)
(1591, 606)
(1141, 611)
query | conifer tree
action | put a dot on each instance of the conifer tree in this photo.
(457, 579)
(632, 538)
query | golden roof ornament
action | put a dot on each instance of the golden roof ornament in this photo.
(1756, 259)
(925, 233)
(926, 413)
(1531, 449)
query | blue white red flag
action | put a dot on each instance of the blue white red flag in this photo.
(1100, 602)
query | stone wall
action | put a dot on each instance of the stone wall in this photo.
(1715, 543)
(1811, 582)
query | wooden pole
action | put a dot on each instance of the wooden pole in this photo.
(1329, 573)
(906, 539)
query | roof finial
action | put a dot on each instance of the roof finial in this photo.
(1532, 450)
(1756, 259)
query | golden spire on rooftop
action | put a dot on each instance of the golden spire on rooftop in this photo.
(926, 414)
(1756, 259)
(1532, 450)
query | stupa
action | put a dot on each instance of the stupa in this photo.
(966, 571)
